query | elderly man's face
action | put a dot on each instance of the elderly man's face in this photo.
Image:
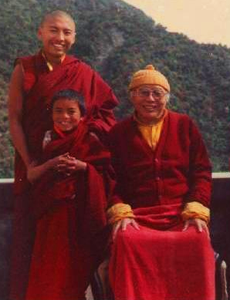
(149, 102)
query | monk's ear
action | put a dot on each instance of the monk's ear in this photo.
(39, 33)
(74, 38)
(131, 96)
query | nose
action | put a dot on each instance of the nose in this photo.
(60, 35)
(64, 115)
(151, 97)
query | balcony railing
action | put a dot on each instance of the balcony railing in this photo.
(220, 224)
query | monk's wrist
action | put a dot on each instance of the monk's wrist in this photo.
(195, 210)
(81, 165)
(119, 212)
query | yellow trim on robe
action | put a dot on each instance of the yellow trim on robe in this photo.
(50, 67)
(196, 210)
(118, 212)
(151, 133)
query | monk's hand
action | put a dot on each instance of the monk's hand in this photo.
(35, 171)
(76, 165)
(122, 225)
(60, 163)
(71, 165)
(32, 173)
(201, 225)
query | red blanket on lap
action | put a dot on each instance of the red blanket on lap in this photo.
(160, 217)
(143, 262)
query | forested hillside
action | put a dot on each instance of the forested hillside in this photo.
(116, 39)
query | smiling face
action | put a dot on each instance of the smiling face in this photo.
(66, 114)
(57, 34)
(149, 102)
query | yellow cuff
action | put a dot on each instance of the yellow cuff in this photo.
(118, 212)
(195, 210)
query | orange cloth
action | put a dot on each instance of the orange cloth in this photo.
(151, 133)
(118, 212)
(196, 210)
(149, 76)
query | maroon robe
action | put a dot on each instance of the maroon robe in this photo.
(161, 261)
(71, 224)
(39, 86)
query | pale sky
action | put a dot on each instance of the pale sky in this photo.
(205, 21)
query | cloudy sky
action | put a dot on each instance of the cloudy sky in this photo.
(206, 21)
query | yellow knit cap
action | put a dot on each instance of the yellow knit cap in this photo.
(149, 76)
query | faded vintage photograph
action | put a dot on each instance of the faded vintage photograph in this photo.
(115, 150)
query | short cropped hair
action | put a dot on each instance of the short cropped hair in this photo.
(72, 95)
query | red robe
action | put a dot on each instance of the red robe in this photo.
(70, 213)
(160, 261)
(39, 87)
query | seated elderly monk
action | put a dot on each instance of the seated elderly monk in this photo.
(161, 248)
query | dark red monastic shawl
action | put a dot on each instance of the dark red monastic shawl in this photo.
(86, 188)
(40, 85)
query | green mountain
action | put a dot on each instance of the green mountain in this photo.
(117, 39)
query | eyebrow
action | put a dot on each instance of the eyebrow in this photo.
(55, 27)
(152, 89)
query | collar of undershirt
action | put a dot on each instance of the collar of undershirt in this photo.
(49, 65)
(155, 122)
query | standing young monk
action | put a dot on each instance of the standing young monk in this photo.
(34, 81)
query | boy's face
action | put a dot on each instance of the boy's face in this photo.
(57, 35)
(66, 114)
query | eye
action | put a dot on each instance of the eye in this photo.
(67, 32)
(157, 93)
(57, 110)
(144, 93)
(53, 30)
(72, 111)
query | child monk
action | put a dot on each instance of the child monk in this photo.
(68, 204)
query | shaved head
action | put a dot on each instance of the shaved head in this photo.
(56, 14)
(57, 33)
